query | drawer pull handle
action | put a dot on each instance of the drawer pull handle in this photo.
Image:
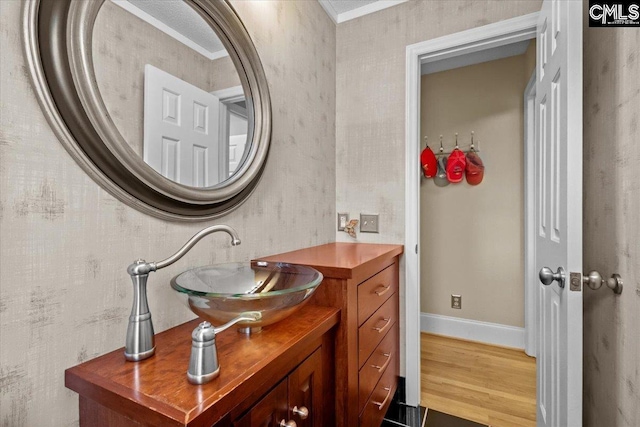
(381, 290)
(386, 363)
(302, 412)
(381, 404)
(382, 328)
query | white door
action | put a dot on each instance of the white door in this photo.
(559, 211)
(180, 129)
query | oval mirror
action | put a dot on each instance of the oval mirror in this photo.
(163, 102)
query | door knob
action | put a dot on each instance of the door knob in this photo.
(289, 423)
(594, 280)
(547, 276)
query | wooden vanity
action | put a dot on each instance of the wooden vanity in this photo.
(262, 378)
(338, 356)
(362, 280)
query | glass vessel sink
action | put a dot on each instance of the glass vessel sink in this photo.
(265, 291)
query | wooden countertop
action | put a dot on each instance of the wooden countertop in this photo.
(339, 260)
(156, 391)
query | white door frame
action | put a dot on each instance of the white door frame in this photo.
(530, 276)
(465, 42)
(226, 96)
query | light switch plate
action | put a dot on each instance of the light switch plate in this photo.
(343, 220)
(369, 223)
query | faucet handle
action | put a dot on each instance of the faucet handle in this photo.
(203, 363)
(248, 316)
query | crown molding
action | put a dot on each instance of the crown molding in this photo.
(339, 18)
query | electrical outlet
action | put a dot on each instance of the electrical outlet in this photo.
(343, 220)
(368, 223)
(456, 301)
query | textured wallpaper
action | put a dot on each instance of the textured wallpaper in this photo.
(612, 225)
(65, 243)
(370, 100)
(370, 104)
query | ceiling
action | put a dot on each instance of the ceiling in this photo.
(344, 10)
(485, 55)
(177, 19)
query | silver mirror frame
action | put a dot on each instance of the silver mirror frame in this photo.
(57, 41)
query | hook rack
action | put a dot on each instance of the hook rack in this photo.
(474, 148)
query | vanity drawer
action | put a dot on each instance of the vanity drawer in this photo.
(375, 291)
(383, 357)
(376, 327)
(379, 401)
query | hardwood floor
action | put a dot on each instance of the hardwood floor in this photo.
(490, 385)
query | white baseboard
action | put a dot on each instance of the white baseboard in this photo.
(473, 330)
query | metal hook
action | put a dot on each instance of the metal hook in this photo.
(441, 148)
(456, 139)
(472, 148)
(426, 142)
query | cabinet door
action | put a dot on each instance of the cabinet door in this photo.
(305, 392)
(269, 411)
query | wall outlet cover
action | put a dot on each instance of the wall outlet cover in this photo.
(456, 302)
(369, 223)
(343, 220)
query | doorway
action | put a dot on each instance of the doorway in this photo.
(472, 238)
(467, 43)
(558, 198)
(472, 233)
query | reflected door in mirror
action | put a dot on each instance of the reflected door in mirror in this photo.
(180, 130)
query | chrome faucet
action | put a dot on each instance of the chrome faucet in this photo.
(140, 343)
